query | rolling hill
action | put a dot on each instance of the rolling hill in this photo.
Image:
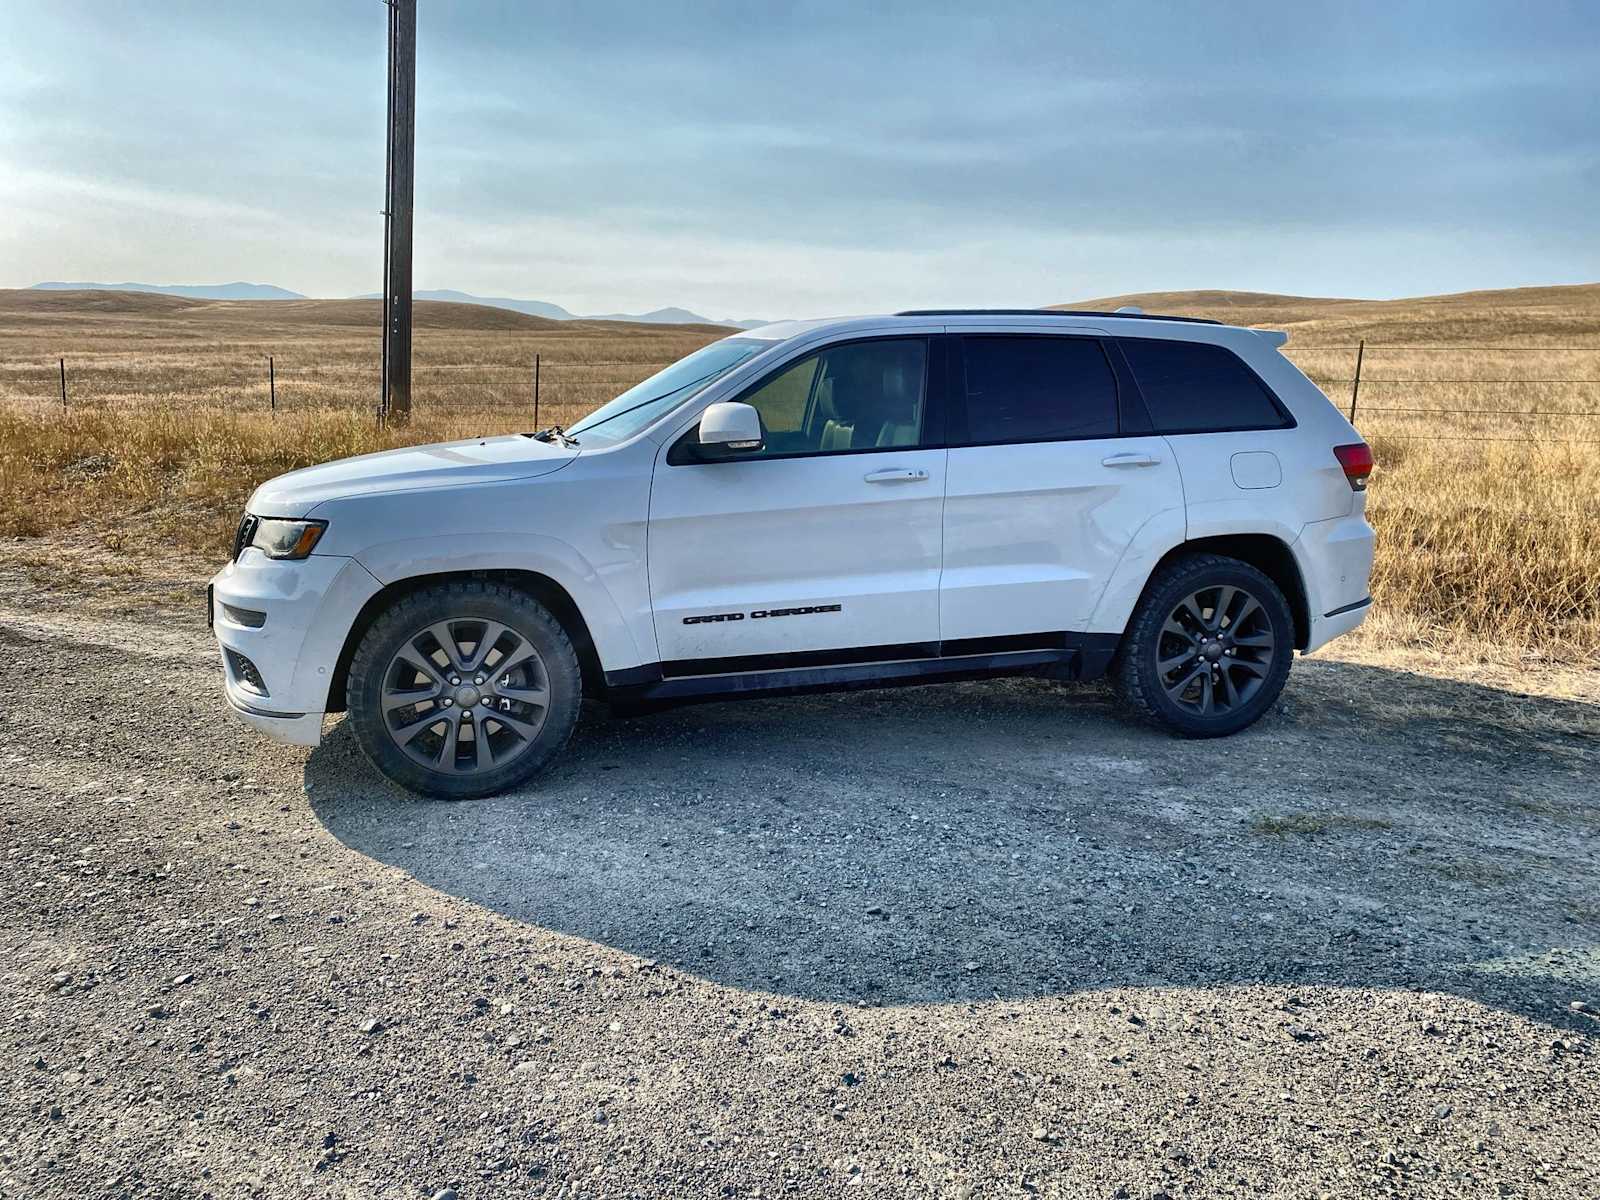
(201, 291)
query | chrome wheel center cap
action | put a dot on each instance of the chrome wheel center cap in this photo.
(466, 695)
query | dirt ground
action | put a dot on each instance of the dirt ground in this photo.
(973, 940)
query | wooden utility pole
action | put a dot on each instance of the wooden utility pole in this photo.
(397, 210)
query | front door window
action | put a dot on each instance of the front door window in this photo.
(857, 396)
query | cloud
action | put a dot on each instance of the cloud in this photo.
(804, 158)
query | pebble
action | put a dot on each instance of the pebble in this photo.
(372, 1025)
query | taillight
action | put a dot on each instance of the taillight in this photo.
(1356, 459)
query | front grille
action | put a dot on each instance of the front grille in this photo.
(244, 535)
(245, 673)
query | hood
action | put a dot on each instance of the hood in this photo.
(449, 464)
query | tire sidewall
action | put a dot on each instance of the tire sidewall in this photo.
(1160, 604)
(395, 628)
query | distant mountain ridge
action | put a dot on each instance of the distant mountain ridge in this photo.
(200, 291)
(266, 291)
(543, 308)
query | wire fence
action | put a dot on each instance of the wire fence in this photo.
(1523, 401)
(1536, 420)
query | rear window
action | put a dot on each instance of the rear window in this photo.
(1034, 389)
(1195, 387)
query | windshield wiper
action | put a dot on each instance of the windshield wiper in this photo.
(554, 434)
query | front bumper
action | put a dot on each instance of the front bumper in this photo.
(297, 729)
(287, 621)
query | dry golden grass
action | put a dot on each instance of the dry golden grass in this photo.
(1487, 543)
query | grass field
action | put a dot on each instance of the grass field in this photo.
(1487, 519)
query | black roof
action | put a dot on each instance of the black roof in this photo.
(1047, 312)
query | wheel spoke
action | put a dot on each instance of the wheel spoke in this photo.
(1166, 665)
(1193, 607)
(482, 751)
(538, 697)
(1252, 667)
(1174, 629)
(527, 730)
(1230, 692)
(515, 659)
(1248, 609)
(405, 734)
(452, 739)
(1224, 601)
(1176, 690)
(1257, 640)
(1205, 692)
(419, 662)
(404, 697)
(492, 632)
(445, 636)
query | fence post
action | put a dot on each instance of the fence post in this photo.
(63, 384)
(535, 392)
(1355, 385)
(272, 385)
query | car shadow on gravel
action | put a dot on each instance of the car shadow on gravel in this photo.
(1017, 839)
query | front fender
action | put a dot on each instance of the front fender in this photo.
(408, 558)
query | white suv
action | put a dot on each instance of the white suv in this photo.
(811, 505)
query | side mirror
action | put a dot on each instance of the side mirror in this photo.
(731, 426)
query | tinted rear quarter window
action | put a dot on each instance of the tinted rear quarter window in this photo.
(1031, 389)
(1195, 387)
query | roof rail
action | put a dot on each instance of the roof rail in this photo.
(1048, 312)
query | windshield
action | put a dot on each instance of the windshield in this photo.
(644, 402)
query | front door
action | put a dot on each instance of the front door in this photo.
(825, 540)
(1045, 490)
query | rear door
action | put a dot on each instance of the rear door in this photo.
(1048, 483)
(827, 539)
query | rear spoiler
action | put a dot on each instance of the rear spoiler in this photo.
(1276, 337)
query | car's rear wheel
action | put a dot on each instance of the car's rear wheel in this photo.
(1208, 649)
(464, 689)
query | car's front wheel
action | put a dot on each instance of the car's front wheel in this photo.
(1208, 649)
(464, 689)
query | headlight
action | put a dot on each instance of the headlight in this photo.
(277, 538)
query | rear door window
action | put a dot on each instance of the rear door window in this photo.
(1196, 387)
(1037, 389)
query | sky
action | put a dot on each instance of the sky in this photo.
(785, 159)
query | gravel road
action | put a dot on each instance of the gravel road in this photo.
(976, 940)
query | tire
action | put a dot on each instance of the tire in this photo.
(522, 690)
(1228, 677)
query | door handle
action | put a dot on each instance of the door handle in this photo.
(1132, 458)
(896, 475)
